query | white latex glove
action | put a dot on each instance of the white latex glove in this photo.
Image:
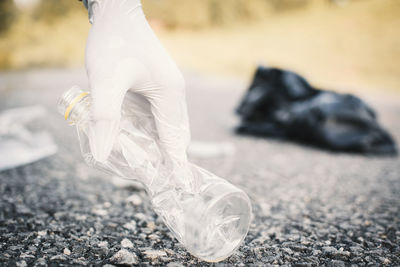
(124, 54)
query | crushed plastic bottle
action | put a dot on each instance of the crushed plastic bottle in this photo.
(207, 214)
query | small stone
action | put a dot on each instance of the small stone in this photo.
(124, 257)
(103, 244)
(154, 254)
(385, 261)
(152, 226)
(90, 231)
(100, 212)
(154, 237)
(40, 262)
(21, 264)
(147, 231)
(169, 251)
(32, 248)
(130, 225)
(287, 251)
(141, 217)
(25, 255)
(42, 233)
(329, 250)
(134, 199)
(126, 243)
(67, 251)
(343, 254)
(299, 248)
(108, 265)
(80, 261)
(58, 258)
(316, 252)
(107, 205)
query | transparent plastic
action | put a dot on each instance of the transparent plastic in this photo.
(207, 214)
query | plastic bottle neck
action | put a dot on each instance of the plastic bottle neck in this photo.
(74, 105)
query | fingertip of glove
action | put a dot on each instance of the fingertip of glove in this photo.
(102, 137)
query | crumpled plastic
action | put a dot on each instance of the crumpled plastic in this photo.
(207, 214)
(19, 145)
(283, 104)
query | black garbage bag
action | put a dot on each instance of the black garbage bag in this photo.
(283, 104)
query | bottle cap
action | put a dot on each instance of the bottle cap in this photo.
(69, 99)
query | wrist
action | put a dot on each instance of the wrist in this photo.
(93, 5)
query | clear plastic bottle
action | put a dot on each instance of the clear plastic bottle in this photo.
(207, 214)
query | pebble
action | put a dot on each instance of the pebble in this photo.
(154, 237)
(124, 257)
(356, 249)
(67, 251)
(58, 258)
(40, 262)
(21, 264)
(386, 261)
(169, 251)
(126, 243)
(42, 233)
(134, 199)
(329, 250)
(25, 255)
(154, 254)
(100, 212)
(80, 261)
(151, 225)
(141, 217)
(102, 244)
(130, 225)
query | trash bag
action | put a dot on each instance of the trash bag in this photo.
(283, 104)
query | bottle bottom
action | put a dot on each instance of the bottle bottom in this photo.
(224, 225)
(211, 224)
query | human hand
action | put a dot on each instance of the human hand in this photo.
(123, 54)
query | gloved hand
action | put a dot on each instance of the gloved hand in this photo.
(123, 54)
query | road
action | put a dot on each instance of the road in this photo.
(311, 207)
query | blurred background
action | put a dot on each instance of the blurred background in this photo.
(346, 45)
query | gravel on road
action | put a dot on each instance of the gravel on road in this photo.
(311, 207)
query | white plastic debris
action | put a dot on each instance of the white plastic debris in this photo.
(18, 144)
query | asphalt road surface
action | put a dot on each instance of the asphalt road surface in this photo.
(311, 207)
